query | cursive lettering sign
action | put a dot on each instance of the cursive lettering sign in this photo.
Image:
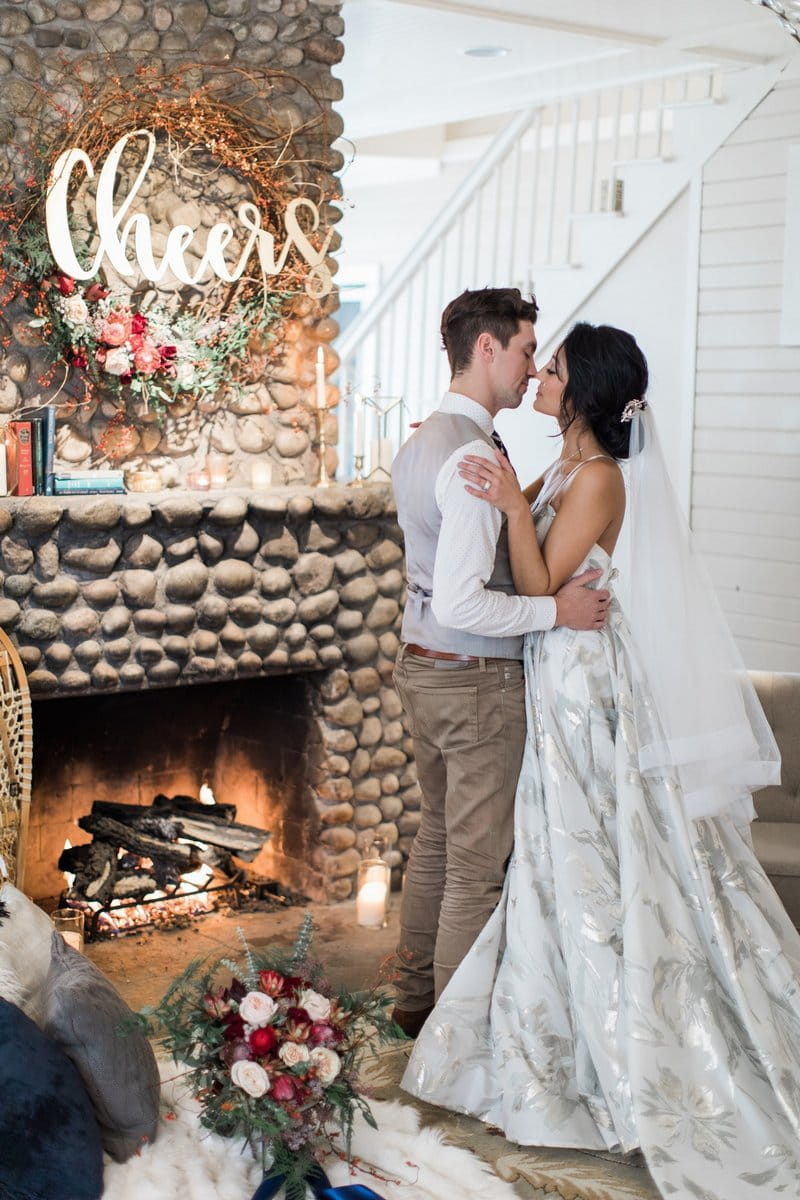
(117, 230)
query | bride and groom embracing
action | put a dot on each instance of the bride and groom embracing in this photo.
(590, 953)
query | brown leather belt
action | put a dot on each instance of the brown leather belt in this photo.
(423, 652)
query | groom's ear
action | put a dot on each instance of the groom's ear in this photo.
(484, 347)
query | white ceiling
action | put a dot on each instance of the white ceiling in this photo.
(404, 66)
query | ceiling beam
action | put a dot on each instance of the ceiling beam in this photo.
(691, 44)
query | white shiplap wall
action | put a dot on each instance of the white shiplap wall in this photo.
(746, 468)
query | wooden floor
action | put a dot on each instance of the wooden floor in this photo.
(142, 965)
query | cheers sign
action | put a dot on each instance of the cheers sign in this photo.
(117, 230)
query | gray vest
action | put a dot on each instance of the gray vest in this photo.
(414, 472)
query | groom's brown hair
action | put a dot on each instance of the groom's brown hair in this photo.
(497, 311)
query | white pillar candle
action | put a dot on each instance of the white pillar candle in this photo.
(371, 903)
(320, 372)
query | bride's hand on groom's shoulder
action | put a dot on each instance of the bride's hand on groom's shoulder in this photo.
(493, 481)
(581, 607)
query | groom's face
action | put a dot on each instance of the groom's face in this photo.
(513, 367)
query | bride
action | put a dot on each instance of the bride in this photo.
(637, 985)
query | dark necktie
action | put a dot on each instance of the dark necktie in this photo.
(498, 441)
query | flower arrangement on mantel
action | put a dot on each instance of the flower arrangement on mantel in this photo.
(272, 1056)
(141, 351)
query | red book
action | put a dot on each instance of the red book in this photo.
(19, 449)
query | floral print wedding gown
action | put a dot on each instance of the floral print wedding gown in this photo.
(637, 985)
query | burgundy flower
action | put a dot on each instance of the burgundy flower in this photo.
(282, 1088)
(272, 982)
(77, 356)
(66, 285)
(95, 291)
(322, 1034)
(263, 1039)
(138, 323)
(234, 1026)
(127, 377)
(168, 353)
(235, 1051)
(298, 1024)
(237, 990)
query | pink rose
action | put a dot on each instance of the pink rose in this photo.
(147, 358)
(117, 362)
(115, 329)
(257, 1009)
(327, 1064)
(250, 1077)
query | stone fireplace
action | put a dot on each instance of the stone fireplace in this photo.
(288, 602)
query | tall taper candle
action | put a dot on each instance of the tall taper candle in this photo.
(320, 371)
(358, 438)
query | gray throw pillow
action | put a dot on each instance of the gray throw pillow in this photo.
(86, 1016)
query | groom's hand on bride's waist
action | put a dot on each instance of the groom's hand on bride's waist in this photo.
(580, 606)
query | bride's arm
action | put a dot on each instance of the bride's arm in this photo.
(594, 499)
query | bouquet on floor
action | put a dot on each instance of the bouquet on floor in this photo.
(272, 1056)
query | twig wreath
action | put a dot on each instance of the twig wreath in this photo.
(102, 315)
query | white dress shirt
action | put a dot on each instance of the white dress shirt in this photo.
(466, 550)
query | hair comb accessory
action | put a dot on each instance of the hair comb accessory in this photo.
(631, 408)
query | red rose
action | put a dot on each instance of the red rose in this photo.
(282, 1088)
(95, 292)
(168, 353)
(66, 285)
(78, 358)
(234, 1026)
(272, 982)
(263, 1039)
(138, 323)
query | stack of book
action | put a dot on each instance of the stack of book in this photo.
(27, 455)
(100, 481)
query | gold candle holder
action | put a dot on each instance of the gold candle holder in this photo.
(358, 479)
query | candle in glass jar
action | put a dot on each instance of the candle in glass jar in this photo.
(217, 468)
(320, 373)
(371, 903)
(261, 474)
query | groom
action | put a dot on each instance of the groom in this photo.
(459, 670)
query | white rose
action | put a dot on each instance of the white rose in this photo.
(75, 310)
(293, 1053)
(117, 361)
(257, 1009)
(317, 1006)
(327, 1064)
(250, 1077)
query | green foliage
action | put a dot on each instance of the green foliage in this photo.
(200, 1024)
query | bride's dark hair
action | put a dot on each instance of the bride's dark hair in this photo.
(606, 371)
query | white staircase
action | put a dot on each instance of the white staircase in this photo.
(555, 204)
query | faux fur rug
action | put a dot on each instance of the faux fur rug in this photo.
(408, 1163)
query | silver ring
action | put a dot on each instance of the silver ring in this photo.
(487, 483)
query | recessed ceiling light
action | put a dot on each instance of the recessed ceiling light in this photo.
(487, 51)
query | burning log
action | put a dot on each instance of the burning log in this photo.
(105, 829)
(198, 822)
(94, 866)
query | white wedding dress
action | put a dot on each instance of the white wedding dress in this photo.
(637, 985)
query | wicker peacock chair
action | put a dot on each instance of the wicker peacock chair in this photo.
(16, 755)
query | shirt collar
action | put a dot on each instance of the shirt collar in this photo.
(465, 406)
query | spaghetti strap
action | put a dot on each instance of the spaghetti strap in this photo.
(546, 496)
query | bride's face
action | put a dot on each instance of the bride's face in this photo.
(552, 381)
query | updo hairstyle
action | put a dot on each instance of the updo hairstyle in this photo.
(607, 370)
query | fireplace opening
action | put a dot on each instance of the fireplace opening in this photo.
(176, 762)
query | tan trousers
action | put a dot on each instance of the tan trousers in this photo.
(468, 725)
